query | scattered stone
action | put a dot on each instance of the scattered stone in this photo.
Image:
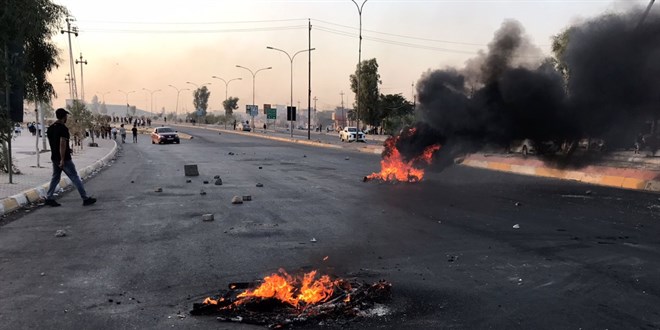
(218, 182)
(313, 240)
(247, 198)
(190, 170)
(231, 153)
(237, 200)
(60, 233)
(202, 192)
(216, 177)
(347, 158)
(159, 189)
(259, 185)
(42, 274)
(260, 167)
(132, 181)
(516, 226)
(588, 192)
(207, 217)
(206, 182)
(219, 133)
(304, 156)
(517, 204)
(188, 181)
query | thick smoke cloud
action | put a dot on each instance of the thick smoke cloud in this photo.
(512, 93)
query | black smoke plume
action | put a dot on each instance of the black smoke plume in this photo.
(511, 93)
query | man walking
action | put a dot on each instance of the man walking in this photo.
(122, 132)
(60, 155)
(134, 130)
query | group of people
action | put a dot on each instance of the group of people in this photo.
(33, 128)
(122, 133)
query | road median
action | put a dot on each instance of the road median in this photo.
(626, 178)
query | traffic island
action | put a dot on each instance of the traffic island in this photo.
(627, 178)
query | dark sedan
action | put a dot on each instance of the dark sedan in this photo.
(164, 135)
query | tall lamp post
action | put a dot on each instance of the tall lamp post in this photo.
(126, 93)
(178, 91)
(254, 75)
(291, 58)
(103, 95)
(359, 73)
(151, 104)
(226, 83)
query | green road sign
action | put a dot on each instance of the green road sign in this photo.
(272, 114)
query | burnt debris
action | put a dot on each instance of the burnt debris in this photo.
(351, 300)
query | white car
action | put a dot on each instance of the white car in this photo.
(348, 135)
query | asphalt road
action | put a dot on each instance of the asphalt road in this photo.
(138, 258)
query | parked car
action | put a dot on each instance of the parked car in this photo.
(244, 127)
(524, 147)
(164, 135)
(592, 144)
(348, 134)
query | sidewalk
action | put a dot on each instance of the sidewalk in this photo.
(32, 184)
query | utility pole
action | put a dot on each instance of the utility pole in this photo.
(359, 73)
(309, 82)
(67, 79)
(316, 119)
(82, 81)
(71, 30)
(343, 119)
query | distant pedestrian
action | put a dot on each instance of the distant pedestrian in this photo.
(17, 129)
(114, 133)
(122, 132)
(60, 155)
(134, 130)
(234, 124)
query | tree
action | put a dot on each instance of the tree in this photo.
(230, 105)
(369, 81)
(95, 105)
(81, 120)
(395, 112)
(559, 44)
(201, 100)
(27, 25)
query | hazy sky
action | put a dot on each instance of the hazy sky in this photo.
(131, 45)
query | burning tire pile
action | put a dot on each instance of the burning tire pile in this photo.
(282, 300)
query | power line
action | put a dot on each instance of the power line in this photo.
(404, 36)
(137, 31)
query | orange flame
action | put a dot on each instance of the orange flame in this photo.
(394, 168)
(288, 289)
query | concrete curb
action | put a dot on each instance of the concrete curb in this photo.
(625, 178)
(33, 195)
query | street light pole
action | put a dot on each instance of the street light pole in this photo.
(359, 73)
(103, 95)
(176, 111)
(126, 93)
(82, 80)
(151, 104)
(291, 58)
(254, 76)
(226, 84)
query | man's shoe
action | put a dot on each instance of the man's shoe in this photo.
(52, 202)
(89, 201)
